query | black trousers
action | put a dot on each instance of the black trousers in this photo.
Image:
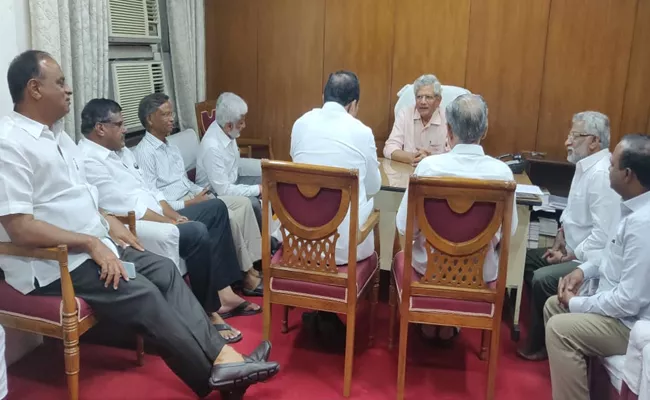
(208, 249)
(157, 304)
(543, 280)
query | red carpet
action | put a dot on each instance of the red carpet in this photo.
(307, 372)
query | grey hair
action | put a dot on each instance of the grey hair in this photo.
(427, 80)
(596, 124)
(467, 116)
(149, 104)
(230, 109)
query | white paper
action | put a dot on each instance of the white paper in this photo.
(529, 189)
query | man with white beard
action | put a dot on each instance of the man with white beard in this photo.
(591, 214)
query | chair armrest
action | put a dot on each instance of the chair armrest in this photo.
(368, 226)
(44, 253)
(59, 254)
(128, 220)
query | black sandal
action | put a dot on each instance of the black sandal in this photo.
(226, 327)
(240, 311)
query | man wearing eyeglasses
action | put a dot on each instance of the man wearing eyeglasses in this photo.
(591, 214)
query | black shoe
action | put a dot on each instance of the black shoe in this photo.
(231, 376)
(261, 352)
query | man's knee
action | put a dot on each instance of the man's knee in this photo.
(544, 281)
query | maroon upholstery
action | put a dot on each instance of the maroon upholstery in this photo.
(191, 175)
(207, 118)
(46, 308)
(438, 304)
(365, 269)
(454, 227)
(301, 208)
(600, 386)
(627, 394)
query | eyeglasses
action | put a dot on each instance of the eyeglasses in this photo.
(574, 135)
(115, 124)
(171, 115)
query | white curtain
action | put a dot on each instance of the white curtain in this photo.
(75, 32)
(187, 48)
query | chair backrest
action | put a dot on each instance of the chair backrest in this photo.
(406, 96)
(458, 218)
(205, 115)
(188, 143)
(310, 202)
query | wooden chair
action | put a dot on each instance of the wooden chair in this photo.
(311, 202)
(65, 318)
(458, 218)
(205, 116)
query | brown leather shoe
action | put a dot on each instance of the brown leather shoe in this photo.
(231, 376)
(261, 352)
(539, 355)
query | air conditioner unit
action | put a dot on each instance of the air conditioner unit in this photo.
(131, 82)
(134, 21)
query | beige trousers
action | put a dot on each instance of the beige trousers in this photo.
(245, 231)
(570, 339)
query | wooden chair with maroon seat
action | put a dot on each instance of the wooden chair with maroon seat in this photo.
(65, 318)
(458, 219)
(205, 116)
(311, 202)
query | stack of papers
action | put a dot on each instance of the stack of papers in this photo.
(533, 235)
(547, 226)
(530, 190)
(557, 202)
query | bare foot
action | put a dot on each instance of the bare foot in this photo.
(252, 279)
(228, 355)
(230, 300)
(228, 334)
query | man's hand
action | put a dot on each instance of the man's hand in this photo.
(199, 198)
(566, 298)
(553, 256)
(570, 284)
(421, 153)
(111, 268)
(121, 235)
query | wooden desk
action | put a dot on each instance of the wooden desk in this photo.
(394, 181)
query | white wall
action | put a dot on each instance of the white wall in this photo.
(15, 34)
(15, 37)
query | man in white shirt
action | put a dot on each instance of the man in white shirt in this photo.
(46, 201)
(590, 217)
(334, 137)
(3, 366)
(206, 243)
(598, 324)
(218, 164)
(162, 166)
(467, 125)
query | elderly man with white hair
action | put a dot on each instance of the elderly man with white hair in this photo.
(218, 163)
(591, 214)
(420, 131)
(467, 125)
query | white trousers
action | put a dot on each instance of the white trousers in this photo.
(245, 231)
(161, 239)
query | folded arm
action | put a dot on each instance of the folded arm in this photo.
(217, 172)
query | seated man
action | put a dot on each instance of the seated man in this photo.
(46, 201)
(591, 214)
(598, 324)
(333, 136)
(467, 125)
(421, 131)
(205, 236)
(218, 162)
(3, 366)
(162, 166)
